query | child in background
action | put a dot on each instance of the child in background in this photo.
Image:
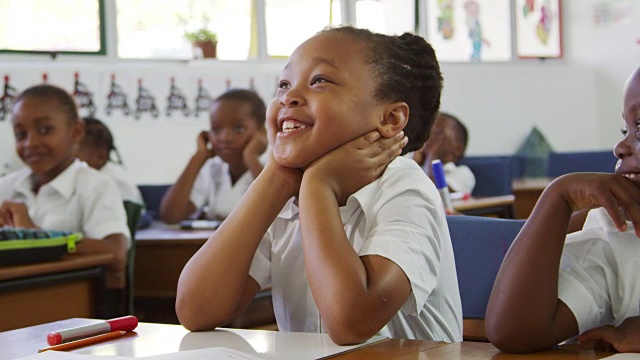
(228, 159)
(56, 191)
(96, 148)
(448, 142)
(544, 293)
(351, 236)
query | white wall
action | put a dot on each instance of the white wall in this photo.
(575, 101)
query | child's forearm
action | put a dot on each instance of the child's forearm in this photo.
(252, 161)
(176, 205)
(348, 295)
(214, 283)
(524, 313)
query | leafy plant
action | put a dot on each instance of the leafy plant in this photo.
(201, 35)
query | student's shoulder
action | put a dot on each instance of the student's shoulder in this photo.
(88, 178)
(15, 176)
(403, 172)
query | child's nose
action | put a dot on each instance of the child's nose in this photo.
(291, 98)
(623, 148)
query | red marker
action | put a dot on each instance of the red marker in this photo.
(125, 323)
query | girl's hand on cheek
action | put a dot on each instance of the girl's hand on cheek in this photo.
(257, 145)
(277, 174)
(355, 164)
(204, 147)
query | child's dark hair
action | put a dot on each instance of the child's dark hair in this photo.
(407, 70)
(97, 134)
(61, 96)
(258, 108)
(462, 134)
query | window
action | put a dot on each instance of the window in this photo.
(391, 17)
(72, 26)
(149, 29)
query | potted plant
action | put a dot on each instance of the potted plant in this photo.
(203, 41)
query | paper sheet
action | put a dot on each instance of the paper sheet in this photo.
(216, 353)
(627, 356)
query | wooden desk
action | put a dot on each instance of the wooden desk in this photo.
(162, 251)
(495, 206)
(526, 192)
(156, 339)
(36, 293)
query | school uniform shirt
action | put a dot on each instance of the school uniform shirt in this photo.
(127, 188)
(213, 189)
(80, 199)
(460, 178)
(399, 216)
(599, 273)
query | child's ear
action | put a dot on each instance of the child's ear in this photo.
(394, 119)
(77, 131)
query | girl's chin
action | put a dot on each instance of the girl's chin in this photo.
(291, 161)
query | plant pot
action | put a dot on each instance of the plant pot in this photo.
(204, 49)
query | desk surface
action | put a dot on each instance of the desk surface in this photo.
(482, 202)
(156, 339)
(67, 263)
(159, 231)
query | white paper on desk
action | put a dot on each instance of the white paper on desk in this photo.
(62, 355)
(627, 356)
(215, 353)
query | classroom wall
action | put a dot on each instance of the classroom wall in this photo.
(574, 101)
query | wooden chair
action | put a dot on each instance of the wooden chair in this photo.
(479, 245)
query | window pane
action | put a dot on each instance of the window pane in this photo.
(287, 27)
(391, 17)
(149, 29)
(36, 25)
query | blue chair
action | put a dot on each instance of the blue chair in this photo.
(152, 196)
(587, 161)
(479, 246)
(494, 174)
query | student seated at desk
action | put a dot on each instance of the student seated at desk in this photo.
(448, 142)
(552, 286)
(96, 148)
(351, 236)
(227, 160)
(56, 191)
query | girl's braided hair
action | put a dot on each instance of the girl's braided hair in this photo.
(407, 70)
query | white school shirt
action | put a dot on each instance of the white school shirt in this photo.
(399, 216)
(599, 273)
(459, 178)
(80, 199)
(127, 188)
(213, 188)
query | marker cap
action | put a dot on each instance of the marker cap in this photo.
(125, 323)
(438, 174)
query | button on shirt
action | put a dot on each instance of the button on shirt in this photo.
(80, 199)
(599, 273)
(399, 216)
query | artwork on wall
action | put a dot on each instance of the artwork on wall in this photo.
(538, 28)
(470, 30)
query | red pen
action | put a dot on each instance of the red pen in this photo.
(125, 323)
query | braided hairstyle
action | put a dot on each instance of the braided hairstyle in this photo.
(407, 70)
(97, 135)
(258, 108)
(61, 96)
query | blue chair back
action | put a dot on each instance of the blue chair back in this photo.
(479, 245)
(152, 196)
(588, 161)
(494, 175)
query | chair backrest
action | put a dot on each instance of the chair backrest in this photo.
(134, 212)
(479, 246)
(152, 196)
(493, 174)
(587, 161)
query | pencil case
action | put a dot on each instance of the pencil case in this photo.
(24, 246)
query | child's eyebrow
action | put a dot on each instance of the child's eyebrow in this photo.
(322, 61)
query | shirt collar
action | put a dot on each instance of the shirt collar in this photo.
(64, 183)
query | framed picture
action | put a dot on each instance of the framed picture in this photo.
(538, 28)
(469, 30)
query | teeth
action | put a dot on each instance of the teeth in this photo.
(289, 125)
(631, 176)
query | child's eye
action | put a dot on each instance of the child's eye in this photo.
(284, 85)
(44, 130)
(215, 130)
(238, 129)
(20, 135)
(318, 80)
(624, 130)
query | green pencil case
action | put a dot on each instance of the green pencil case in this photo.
(25, 246)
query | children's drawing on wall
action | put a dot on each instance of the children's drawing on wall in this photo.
(83, 96)
(538, 28)
(176, 100)
(116, 99)
(612, 12)
(203, 99)
(472, 12)
(470, 30)
(8, 98)
(145, 102)
(445, 20)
